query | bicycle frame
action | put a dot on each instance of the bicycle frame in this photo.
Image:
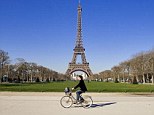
(71, 95)
(70, 100)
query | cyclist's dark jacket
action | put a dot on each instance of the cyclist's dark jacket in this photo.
(82, 86)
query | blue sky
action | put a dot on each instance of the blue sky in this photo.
(44, 31)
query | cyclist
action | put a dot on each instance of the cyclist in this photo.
(82, 87)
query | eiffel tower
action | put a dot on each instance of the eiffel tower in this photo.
(79, 50)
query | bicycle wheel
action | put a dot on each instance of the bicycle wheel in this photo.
(66, 101)
(87, 101)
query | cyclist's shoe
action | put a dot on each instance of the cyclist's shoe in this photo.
(75, 102)
(79, 102)
(82, 100)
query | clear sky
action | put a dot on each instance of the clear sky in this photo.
(44, 31)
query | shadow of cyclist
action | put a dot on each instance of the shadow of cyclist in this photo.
(96, 105)
(102, 104)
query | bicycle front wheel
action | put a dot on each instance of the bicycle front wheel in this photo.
(87, 102)
(66, 101)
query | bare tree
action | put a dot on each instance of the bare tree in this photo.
(125, 68)
(141, 66)
(96, 76)
(4, 59)
(25, 71)
(106, 75)
(116, 70)
(32, 71)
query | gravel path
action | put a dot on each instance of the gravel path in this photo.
(25, 103)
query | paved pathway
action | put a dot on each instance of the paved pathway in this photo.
(48, 104)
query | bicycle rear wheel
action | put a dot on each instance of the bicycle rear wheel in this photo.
(87, 101)
(66, 101)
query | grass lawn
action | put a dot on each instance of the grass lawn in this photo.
(92, 87)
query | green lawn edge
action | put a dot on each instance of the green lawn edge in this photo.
(92, 87)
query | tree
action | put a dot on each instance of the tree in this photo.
(140, 67)
(125, 68)
(32, 71)
(116, 70)
(135, 80)
(105, 75)
(26, 71)
(4, 59)
(97, 76)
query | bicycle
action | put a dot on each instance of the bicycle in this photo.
(68, 100)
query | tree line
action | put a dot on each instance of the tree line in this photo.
(138, 69)
(22, 71)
